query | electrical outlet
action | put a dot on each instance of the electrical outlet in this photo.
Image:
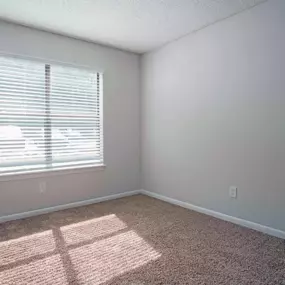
(233, 192)
(43, 187)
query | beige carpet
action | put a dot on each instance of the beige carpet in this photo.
(136, 240)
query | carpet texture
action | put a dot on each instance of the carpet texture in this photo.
(136, 240)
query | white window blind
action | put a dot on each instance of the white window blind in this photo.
(50, 117)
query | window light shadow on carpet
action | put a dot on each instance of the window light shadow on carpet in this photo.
(88, 252)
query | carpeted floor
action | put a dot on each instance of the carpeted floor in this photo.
(136, 240)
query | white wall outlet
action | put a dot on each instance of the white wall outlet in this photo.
(43, 186)
(233, 192)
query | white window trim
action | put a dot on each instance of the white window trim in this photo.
(51, 172)
(34, 174)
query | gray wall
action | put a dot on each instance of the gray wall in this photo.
(213, 115)
(121, 122)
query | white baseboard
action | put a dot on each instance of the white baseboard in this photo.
(66, 206)
(238, 221)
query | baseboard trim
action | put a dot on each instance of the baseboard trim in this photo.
(221, 216)
(66, 206)
(238, 221)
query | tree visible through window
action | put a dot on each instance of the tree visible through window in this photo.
(50, 116)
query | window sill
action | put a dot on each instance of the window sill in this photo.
(51, 172)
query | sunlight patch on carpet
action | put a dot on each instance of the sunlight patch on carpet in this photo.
(47, 271)
(103, 260)
(26, 247)
(88, 230)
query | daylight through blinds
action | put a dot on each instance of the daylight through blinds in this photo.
(50, 116)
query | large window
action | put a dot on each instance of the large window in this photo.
(50, 117)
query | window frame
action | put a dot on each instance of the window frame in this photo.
(64, 169)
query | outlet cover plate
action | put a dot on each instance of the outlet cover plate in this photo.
(233, 192)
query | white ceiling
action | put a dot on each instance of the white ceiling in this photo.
(135, 25)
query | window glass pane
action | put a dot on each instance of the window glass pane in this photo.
(75, 114)
(50, 116)
(21, 112)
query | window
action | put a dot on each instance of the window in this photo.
(50, 117)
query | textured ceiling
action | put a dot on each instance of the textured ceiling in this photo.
(135, 25)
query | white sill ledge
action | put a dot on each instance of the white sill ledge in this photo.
(50, 172)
